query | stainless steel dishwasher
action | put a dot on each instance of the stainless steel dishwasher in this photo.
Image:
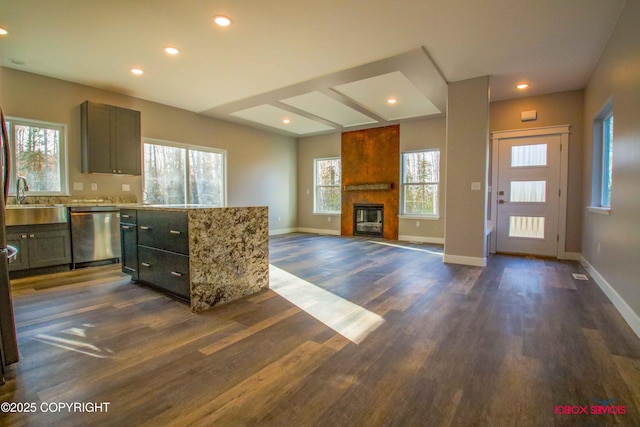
(95, 234)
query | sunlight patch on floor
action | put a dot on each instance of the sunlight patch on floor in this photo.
(76, 345)
(409, 248)
(346, 318)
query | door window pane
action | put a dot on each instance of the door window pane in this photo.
(528, 191)
(528, 155)
(531, 227)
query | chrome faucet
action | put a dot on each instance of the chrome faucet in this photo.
(25, 188)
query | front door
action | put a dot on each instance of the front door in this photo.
(528, 195)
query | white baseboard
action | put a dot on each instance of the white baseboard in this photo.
(571, 256)
(421, 239)
(465, 260)
(281, 231)
(630, 316)
(318, 231)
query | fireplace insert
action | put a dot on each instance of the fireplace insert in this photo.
(368, 219)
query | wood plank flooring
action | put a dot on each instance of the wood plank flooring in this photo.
(436, 345)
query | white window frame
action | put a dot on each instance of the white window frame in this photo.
(188, 147)
(403, 214)
(316, 187)
(602, 150)
(62, 149)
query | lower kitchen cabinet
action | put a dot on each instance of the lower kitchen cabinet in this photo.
(166, 270)
(39, 248)
(129, 242)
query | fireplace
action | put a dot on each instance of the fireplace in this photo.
(368, 219)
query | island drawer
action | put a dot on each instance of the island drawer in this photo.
(128, 216)
(164, 230)
(164, 270)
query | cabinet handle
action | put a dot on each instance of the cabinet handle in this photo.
(126, 216)
(142, 227)
(31, 236)
(126, 227)
(24, 236)
(175, 273)
(174, 232)
(114, 171)
(119, 171)
(145, 264)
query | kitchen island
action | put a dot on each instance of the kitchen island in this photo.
(203, 255)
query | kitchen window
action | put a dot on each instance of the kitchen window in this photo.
(327, 194)
(177, 174)
(38, 153)
(420, 183)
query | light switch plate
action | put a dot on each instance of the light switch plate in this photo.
(126, 187)
(476, 186)
(78, 186)
(94, 186)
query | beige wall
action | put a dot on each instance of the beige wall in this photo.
(467, 157)
(554, 109)
(261, 166)
(611, 243)
(414, 135)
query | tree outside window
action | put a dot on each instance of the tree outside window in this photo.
(420, 182)
(328, 176)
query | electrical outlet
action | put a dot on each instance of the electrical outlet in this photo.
(78, 186)
(279, 219)
(94, 186)
(598, 249)
(126, 187)
(328, 219)
(307, 191)
(417, 223)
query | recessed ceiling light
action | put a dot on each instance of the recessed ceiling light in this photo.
(223, 21)
(3, 32)
(137, 71)
(522, 86)
(171, 50)
(392, 101)
(286, 121)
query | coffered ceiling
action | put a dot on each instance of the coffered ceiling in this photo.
(324, 66)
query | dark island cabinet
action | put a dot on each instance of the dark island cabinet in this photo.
(111, 139)
(129, 242)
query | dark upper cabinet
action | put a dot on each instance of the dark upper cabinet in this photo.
(111, 139)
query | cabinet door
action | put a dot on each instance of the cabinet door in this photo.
(97, 136)
(127, 141)
(21, 260)
(49, 248)
(129, 249)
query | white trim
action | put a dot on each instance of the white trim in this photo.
(630, 316)
(281, 231)
(420, 217)
(465, 260)
(318, 231)
(572, 256)
(599, 210)
(421, 239)
(563, 131)
(327, 213)
(519, 133)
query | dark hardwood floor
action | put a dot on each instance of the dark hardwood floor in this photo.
(421, 343)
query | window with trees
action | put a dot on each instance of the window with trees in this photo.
(177, 174)
(420, 183)
(607, 160)
(38, 153)
(327, 185)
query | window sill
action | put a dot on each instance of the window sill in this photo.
(327, 213)
(599, 210)
(425, 217)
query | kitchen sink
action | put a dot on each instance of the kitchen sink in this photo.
(35, 214)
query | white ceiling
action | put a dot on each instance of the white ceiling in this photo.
(329, 62)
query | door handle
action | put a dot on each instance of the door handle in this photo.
(501, 201)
